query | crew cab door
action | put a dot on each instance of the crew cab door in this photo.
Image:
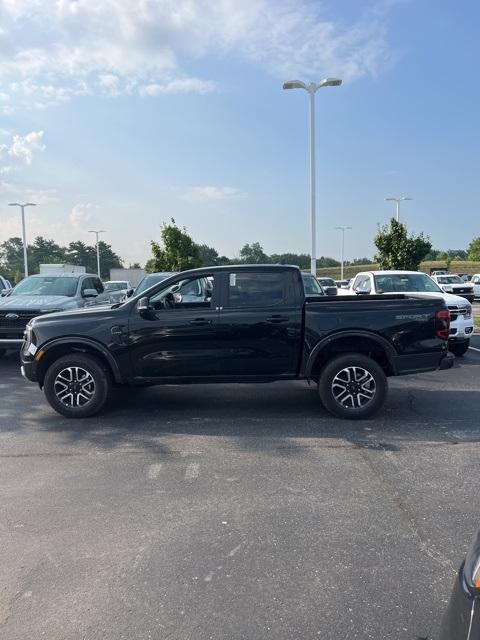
(177, 336)
(260, 323)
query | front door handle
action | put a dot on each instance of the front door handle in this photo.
(277, 319)
(198, 322)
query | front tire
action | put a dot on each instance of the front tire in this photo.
(459, 349)
(77, 385)
(352, 386)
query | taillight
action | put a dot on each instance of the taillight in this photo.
(442, 324)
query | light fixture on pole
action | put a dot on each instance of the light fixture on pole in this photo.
(97, 233)
(398, 200)
(312, 88)
(24, 236)
(342, 229)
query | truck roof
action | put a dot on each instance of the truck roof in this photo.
(63, 275)
(388, 272)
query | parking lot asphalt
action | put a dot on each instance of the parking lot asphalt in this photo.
(236, 511)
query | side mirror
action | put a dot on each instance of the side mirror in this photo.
(447, 289)
(4, 292)
(144, 306)
(129, 293)
(90, 293)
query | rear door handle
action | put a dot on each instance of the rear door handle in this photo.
(277, 319)
(198, 322)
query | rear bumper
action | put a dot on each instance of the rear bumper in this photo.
(420, 363)
(447, 361)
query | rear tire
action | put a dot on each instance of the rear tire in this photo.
(352, 386)
(459, 349)
(77, 385)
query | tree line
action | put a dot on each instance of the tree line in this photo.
(44, 251)
(177, 251)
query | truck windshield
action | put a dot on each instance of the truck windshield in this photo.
(46, 286)
(405, 282)
(149, 281)
(115, 286)
(311, 286)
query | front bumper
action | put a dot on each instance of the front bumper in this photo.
(28, 366)
(461, 329)
(10, 343)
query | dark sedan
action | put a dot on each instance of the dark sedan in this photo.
(462, 617)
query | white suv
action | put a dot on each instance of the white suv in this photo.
(461, 321)
(475, 281)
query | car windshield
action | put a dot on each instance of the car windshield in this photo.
(449, 280)
(327, 282)
(149, 281)
(46, 286)
(405, 282)
(115, 286)
(311, 285)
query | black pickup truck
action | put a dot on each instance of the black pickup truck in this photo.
(251, 324)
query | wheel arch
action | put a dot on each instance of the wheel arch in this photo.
(364, 342)
(63, 346)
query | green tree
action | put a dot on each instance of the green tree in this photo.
(80, 254)
(178, 251)
(208, 255)
(474, 249)
(301, 260)
(11, 258)
(398, 250)
(325, 261)
(135, 265)
(44, 251)
(253, 254)
(108, 260)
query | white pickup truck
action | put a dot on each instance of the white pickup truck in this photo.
(411, 282)
(451, 283)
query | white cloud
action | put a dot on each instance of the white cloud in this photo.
(53, 50)
(179, 85)
(81, 214)
(23, 147)
(20, 151)
(212, 194)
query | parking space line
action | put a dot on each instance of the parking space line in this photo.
(474, 349)
(154, 471)
(192, 471)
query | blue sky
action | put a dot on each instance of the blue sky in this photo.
(120, 115)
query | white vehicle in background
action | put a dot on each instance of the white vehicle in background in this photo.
(454, 284)
(116, 289)
(411, 282)
(475, 282)
(5, 286)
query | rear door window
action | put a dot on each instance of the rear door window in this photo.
(247, 289)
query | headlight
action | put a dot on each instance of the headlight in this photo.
(468, 313)
(472, 566)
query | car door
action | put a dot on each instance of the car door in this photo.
(178, 336)
(260, 324)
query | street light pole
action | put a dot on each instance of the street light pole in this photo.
(24, 235)
(97, 248)
(342, 229)
(312, 88)
(398, 200)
